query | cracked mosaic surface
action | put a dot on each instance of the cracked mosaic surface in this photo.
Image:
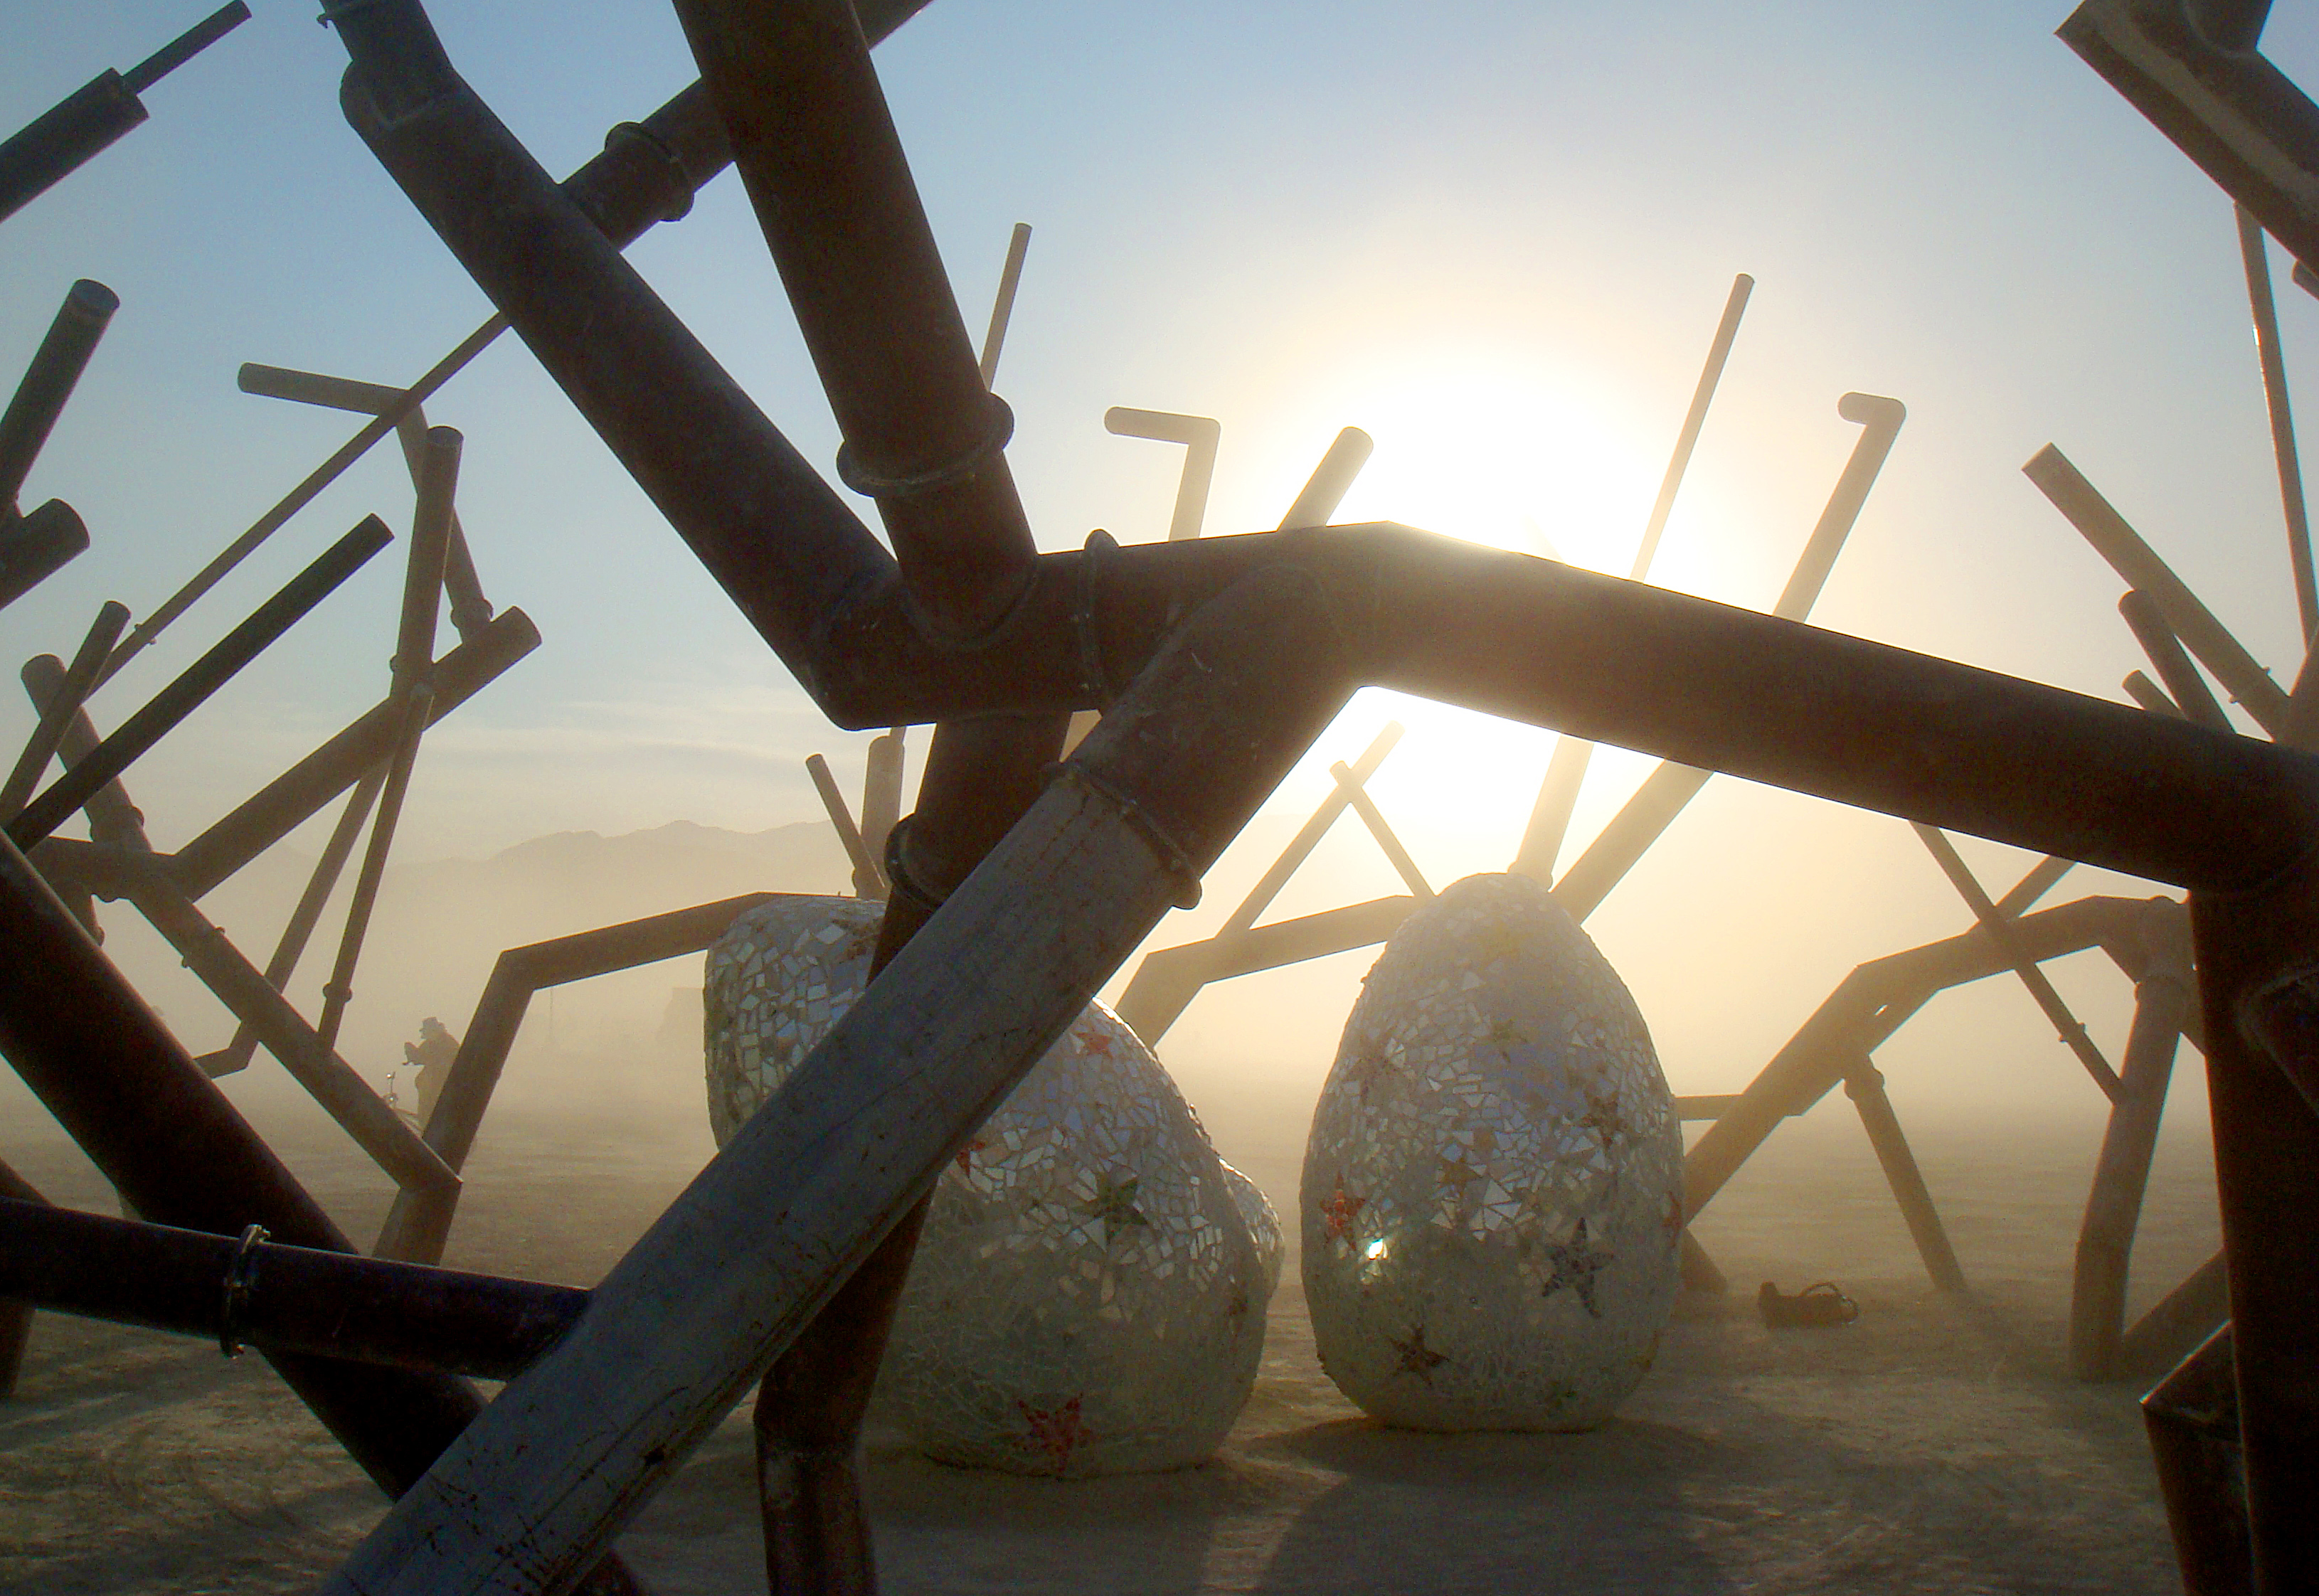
(1089, 1293)
(1491, 1197)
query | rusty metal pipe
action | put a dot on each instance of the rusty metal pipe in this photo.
(300, 1300)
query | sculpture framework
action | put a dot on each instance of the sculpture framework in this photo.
(1218, 661)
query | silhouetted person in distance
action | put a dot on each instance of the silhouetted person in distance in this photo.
(431, 1056)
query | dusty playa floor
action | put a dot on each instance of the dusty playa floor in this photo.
(1935, 1446)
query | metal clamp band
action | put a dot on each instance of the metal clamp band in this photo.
(1093, 679)
(635, 133)
(899, 882)
(1172, 857)
(240, 1281)
(872, 485)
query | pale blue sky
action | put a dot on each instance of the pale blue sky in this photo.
(1496, 235)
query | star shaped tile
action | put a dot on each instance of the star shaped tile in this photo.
(1603, 1116)
(1575, 1263)
(1114, 1204)
(1057, 1432)
(1414, 1356)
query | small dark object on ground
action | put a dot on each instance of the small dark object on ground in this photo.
(1816, 1307)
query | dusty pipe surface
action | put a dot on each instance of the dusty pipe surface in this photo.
(750, 1253)
(299, 1299)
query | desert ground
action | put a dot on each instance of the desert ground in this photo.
(1937, 1445)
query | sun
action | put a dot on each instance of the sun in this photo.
(1491, 449)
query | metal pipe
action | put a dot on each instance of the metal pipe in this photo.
(432, 524)
(1865, 1008)
(1864, 1083)
(1719, 351)
(292, 798)
(1002, 309)
(1374, 819)
(1666, 791)
(2041, 879)
(304, 1051)
(73, 691)
(339, 991)
(300, 1300)
(15, 1314)
(1199, 435)
(169, 707)
(2240, 119)
(2117, 542)
(2282, 420)
(2186, 689)
(161, 1132)
(420, 1219)
(184, 48)
(470, 609)
(721, 472)
(49, 382)
(292, 946)
(36, 545)
(679, 1328)
(818, 152)
(881, 791)
(1330, 480)
(2178, 1321)
(2000, 931)
(869, 881)
(2122, 1173)
(2254, 953)
(113, 821)
(2192, 1421)
(1965, 750)
(56, 142)
(1549, 817)
(648, 174)
(2150, 696)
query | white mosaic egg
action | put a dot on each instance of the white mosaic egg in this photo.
(1492, 1192)
(1089, 1293)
